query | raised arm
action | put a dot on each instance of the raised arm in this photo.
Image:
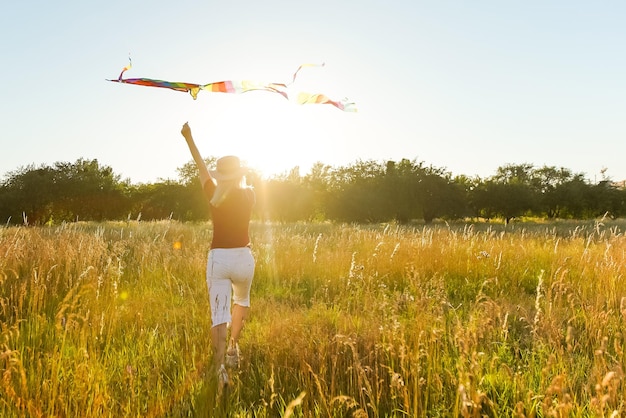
(202, 169)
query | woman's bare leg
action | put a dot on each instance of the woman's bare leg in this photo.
(218, 339)
(240, 313)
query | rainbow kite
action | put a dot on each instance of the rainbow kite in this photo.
(239, 87)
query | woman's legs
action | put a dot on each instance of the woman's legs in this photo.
(228, 279)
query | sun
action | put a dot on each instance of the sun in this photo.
(273, 136)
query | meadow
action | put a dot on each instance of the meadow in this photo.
(450, 320)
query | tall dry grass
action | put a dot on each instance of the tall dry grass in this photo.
(386, 320)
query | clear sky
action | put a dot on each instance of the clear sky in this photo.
(468, 86)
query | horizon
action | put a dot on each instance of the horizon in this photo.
(305, 172)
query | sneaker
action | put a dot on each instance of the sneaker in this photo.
(222, 378)
(232, 357)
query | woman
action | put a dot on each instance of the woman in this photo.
(230, 264)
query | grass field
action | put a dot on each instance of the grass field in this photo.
(365, 321)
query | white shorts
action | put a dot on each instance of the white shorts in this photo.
(229, 274)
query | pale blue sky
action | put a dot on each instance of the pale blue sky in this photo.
(466, 86)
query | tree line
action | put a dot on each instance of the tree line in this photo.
(364, 191)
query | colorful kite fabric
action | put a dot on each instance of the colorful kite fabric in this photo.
(239, 87)
(304, 98)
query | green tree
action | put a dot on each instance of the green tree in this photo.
(89, 191)
(65, 192)
(401, 191)
(510, 193)
(27, 194)
(462, 206)
(188, 173)
(440, 197)
(549, 182)
(506, 200)
(286, 198)
(169, 199)
(317, 182)
(605, 199)
(356, 193)
(416, 191)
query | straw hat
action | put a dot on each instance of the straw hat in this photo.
(228, 168)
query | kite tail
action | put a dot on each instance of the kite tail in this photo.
(128, 67)
(244, 86)
(303, 66)
(307, 98)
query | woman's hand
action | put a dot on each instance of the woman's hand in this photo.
(203, 171)
(186, 131)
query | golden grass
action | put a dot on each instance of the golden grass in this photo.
(385, 320)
